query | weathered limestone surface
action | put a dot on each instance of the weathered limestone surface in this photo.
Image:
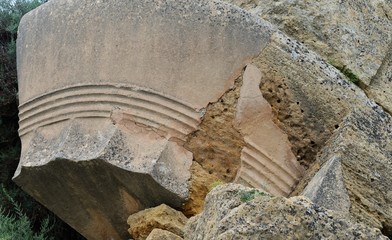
(111, 92)
(226, 216)
(327, 188)
(380, 88)
(354, 34)
(363, 145)
(309, 97)
(161, 217)
(119, 97)
(159, 234)
(267, 160)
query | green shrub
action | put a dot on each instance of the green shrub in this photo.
(250, 195)
(352, 77)
(19, 226)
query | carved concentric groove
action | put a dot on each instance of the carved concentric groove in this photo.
(141, 105)
(258, 169)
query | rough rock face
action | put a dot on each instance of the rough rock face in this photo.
(161, 217)
(237, 212)
(159, 234)
(267, 149)
(309, 97)
(116, 93)
(380, 87)
(352, 34)
(362, 147)
(327, 188)
(136, 103)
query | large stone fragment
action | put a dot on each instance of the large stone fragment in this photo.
(109, 93)
(161, 217)
(159, 234)
(267, 160)
(309, 97)
(351, 34)
(380, 88)
(327, 188)
(237, 212)
(363, 143)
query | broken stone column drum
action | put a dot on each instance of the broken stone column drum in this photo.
(109, 92)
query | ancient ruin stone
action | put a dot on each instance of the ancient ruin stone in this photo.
(309, 97)
(380, 87)
(109, 94)
(363, 145)
(161, 217)
(159, 234)
(236, 212)
(267, 160)
(327, 187)
(353, 34)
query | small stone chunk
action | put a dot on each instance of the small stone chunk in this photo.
(162, 217)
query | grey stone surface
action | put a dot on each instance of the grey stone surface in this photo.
(226, 216)
(327, 188)
(309, 97)
(354, 34)
(380, 88)
(159, 234)
(143, 223)
(94, 178)
(110, 91)
(364, 145)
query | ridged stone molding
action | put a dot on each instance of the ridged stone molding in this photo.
(109, 92)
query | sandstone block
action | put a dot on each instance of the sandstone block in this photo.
(161, 217)
(327, 188)
(159, 234)
(228, 215)
(308, 96)
(352, 34)
(363, 145)
(267, 161)
(109, 94)
(380, 88)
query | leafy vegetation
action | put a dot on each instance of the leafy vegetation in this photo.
(19, 226)
(21, 217)
(250, 195)
(346, 71)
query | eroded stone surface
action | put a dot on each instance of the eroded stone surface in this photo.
(267, 160)
(380, 88)
(353, 34)
(159, 234)
(94, 169)
(119, 87)
(309, 97)
(161, 217)
(363, 145)
(226, 216)
(327, 188)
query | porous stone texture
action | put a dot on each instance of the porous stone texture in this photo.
(309, 97)
(352, 34)
(380, 88)
(161, 217)
(226, 216)
(200, 184)
(159, 234)
(267, 161)
(116, 92)
(327, 188)
(86, 171)
(363, 145)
